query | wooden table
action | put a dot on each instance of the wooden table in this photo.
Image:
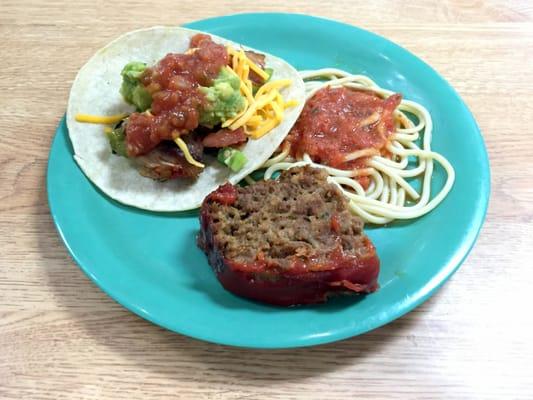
(62, 338)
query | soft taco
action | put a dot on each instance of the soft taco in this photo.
(160, 117)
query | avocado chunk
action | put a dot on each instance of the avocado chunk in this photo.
(117, 139)
(224, 99)
(132, 90)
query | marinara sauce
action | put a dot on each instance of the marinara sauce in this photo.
(338, 121)
(176, 99)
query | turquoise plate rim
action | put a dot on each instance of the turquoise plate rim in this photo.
(412, 301)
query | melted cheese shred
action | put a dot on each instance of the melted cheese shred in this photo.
(264, 110)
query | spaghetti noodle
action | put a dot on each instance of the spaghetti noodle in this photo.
(390, 194)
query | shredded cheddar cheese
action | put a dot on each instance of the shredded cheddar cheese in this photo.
(264, 110)
(181, 144)
(290, 103)
(100, 119)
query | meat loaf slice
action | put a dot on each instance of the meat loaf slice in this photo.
(287, 241)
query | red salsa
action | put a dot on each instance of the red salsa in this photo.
(176, 99)
(338, 121)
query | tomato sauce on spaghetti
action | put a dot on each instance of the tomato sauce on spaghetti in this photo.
(338, 121)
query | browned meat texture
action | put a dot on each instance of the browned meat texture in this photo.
(296, 216)
(287, 242)
(224, 137)
(167, 161)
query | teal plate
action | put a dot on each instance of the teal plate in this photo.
(149, 262)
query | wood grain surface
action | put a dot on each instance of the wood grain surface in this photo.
(62, 338)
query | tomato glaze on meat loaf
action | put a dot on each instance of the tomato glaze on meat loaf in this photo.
(288, 241)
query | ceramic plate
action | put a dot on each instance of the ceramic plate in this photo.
(149, 261)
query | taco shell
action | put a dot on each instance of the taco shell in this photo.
(96, 91)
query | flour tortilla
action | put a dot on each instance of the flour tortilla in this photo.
(96, 91)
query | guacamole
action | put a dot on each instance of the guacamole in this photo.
(224, 99)
(132, 90)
